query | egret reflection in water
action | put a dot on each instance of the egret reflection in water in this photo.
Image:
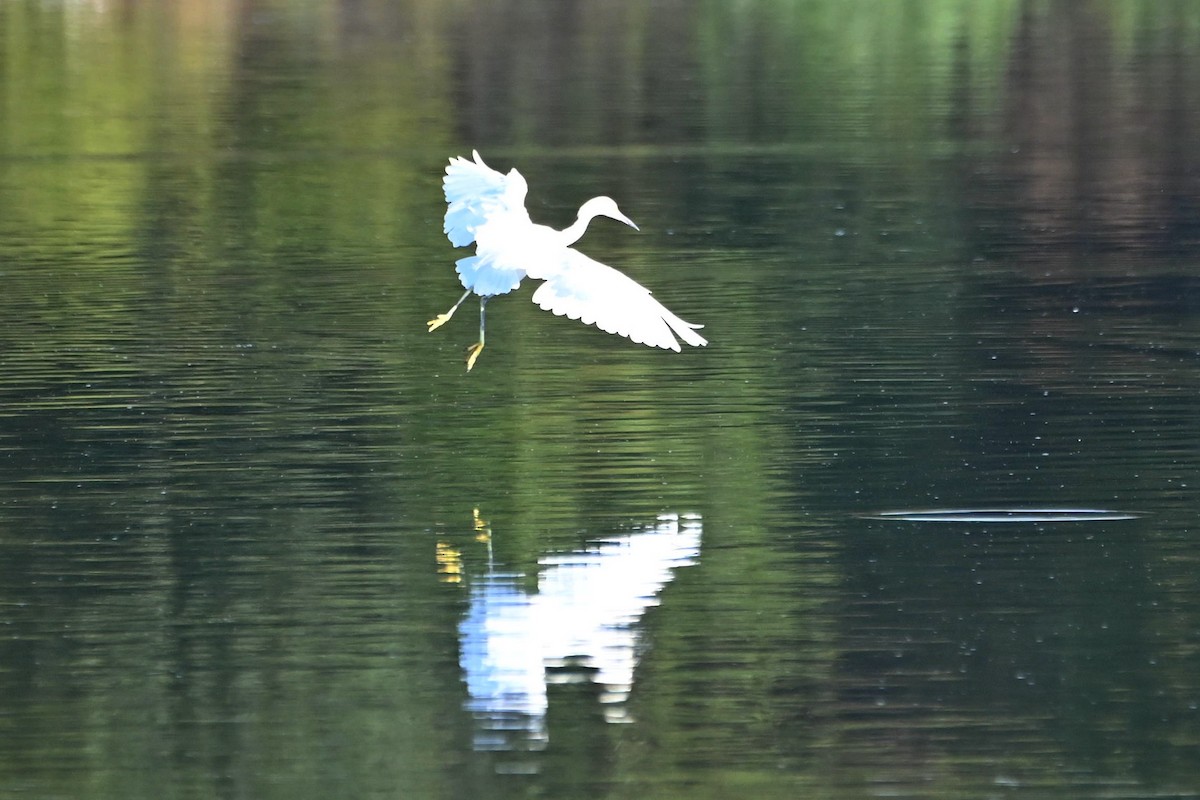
(580, 624)
(487, 208)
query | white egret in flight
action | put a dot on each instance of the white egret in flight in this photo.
(488, 208)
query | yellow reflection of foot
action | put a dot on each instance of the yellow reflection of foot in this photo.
(449, 561)
(483, 531)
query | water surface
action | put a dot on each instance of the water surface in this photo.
(262, 536)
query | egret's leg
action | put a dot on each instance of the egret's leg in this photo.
(442, 319)
(474, 350)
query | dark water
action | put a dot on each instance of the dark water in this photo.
(262, 536)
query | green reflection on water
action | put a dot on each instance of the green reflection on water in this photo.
(230, 451)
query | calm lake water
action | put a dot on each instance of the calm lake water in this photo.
(262, 536)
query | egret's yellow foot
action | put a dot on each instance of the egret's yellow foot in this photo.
(439, 321)
(473, 353)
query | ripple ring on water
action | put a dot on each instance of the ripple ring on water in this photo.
(1005, 515)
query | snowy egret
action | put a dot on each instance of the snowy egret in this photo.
(488, 208)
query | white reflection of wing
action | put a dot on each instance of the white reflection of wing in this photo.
(584, 614)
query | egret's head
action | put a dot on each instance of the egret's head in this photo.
(604, 207)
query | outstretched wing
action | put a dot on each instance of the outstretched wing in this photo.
(597, 294)
(475, 193)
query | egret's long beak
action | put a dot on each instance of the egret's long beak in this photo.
(619, 217)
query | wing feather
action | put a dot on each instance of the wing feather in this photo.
(597, 294)
(485, 277)
(474, 193)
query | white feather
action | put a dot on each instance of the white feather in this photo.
(596, 294)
